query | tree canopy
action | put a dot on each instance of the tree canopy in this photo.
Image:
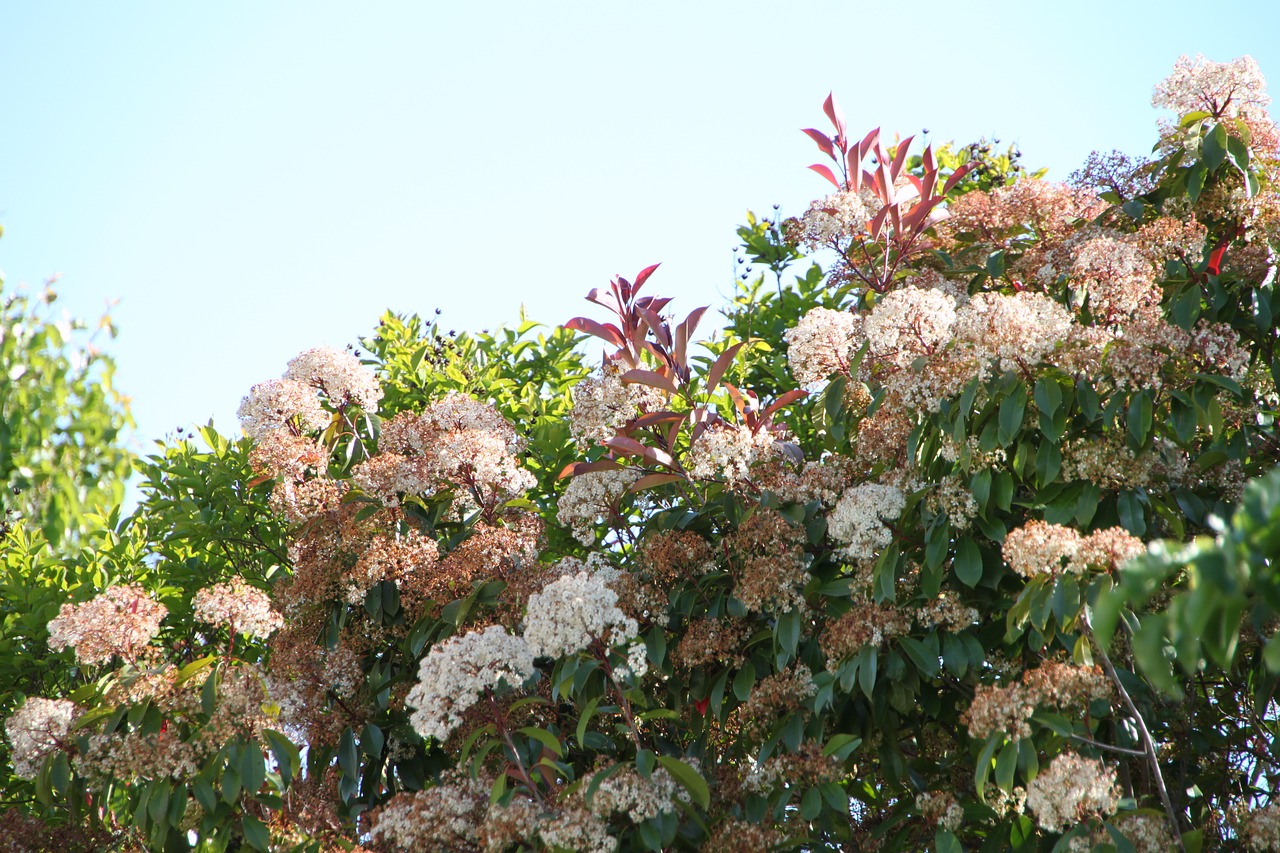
(958, 534)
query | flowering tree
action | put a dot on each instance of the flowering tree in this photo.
(902, 594)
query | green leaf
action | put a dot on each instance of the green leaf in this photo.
(288, 759)
(743, 681)
(920, 655)
(689, 778)
(1140, 415)
(945, 841)
(255, 832)
(842, 746)
(545, 738)
(1196, 176)
(585, 719)
(811, 804)
(252, 769)
(788, 631)
(1012, 409)
(983, 768)
(968, 562)
(1006, 766)
(1214, 147)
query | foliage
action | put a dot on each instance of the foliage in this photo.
(952, 574)
(61, 419)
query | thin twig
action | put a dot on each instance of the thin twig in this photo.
(1147, 741)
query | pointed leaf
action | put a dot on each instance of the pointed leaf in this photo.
(721, 364)
(826, 173)
(606, 331)
(651, 378)
(649, 481)
(643, 276)
(824, 142)
(833, 112)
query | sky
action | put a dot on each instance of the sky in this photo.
(254, 179)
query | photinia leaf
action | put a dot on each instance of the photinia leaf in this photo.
(643, 276)
(649, 481)
(720, 365)
(652, 378)
(833, 112)
(826, 173)
(824, 142)
(689, 778)
(606, 331)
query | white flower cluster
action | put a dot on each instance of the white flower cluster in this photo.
(1039, 548)
(242, 608)
(1261, 829)
(1118, 276)
(838, 216)
(640, 799)
(590, 498)
(822, 343)
(910, 323)
(339, 375)
(273, 404)
(1070, 790)
(603, 404)
(573, 611)
(454, 673)
(121, 621)
(1225, 89)
(857, 521)
(1019, 329)
(36, 729)
(444, 817)
(729, 450)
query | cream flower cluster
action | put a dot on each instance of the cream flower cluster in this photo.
(1013, 330)
(640, 799)
(822, 343)
(276, 403)
(590, 498)
(120, 621)
(603, 404)
(1039, 547)
(858, 519)
(572, 612)
(454, 674)
(443, 817)
(37, 729)
(729, 451)
(1070, 790)
(1225, 89)
(240, 607)
(339, 375)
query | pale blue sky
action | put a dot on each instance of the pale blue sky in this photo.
(253, 179)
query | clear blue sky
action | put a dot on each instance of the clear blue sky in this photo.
(253, 179)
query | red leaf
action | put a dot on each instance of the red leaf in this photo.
(826, 173)
(702, 705)
(573, 469)
(651, 378)
(721, 364)
(926, 160)
(900, 157)
(656, 325)
(631, 447)
(648, 481)
(657, 418)
(1215, 260)
(643, 277)
(876, 225)
(871, 139)
(833, 112)
(823, 142)
(607, 331)
(956, 177)
(785, 400)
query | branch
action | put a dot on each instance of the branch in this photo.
(1147, 742)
